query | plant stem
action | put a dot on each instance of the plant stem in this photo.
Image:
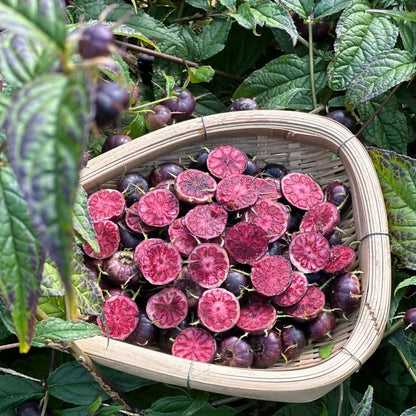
(406, 364)
(175, 59)
(9, 346)
(311, 66)
(393, 328)
(341, 399)
(15, 373)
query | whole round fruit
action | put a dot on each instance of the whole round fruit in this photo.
(344, 117)
(159, 116)
(243, 104)
(410, 319)
(95, 41)
(133, 186)
(182, 105)
(320, 29)
(111, 99)
(114, 141)
(31, 408)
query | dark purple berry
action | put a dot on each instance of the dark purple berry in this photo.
(274, 169)
(252, 168)
(128, 239)
(243, 104)
(132, 186)
(145, 66)
(267, 349)
(235, 282)
(159, 116)
(95, 41)
(235, 352)
(199, 161)
(31, 408)
(182, 105)
(344, 117)
(320, 29)
(111, 100)
(163, 172)
(410, 319)
(114, 141)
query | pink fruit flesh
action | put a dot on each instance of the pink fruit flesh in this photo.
(309, 306)
(294, 293)
(108, 238)
(301, 190)
(271, 275)
(226, 160)
(167, 308)
(121, 317)
(321, 218)
(195, 187)
(140, 248)
(309, 252)
(180, 237)
(134, 222)
(246, 243)
(272, 216)
(206, 221)
(195, 344)
(158, 207)
(341, 258)
(106, 204)
(237, 192)
(269, 188)
(208, 265)
(218, 309)
(160, 263)
(256, 318)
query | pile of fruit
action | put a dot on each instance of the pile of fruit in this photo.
(222, 260)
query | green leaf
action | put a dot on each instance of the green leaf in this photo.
(207, 102)
(89, 295)
(42, 21)
(283, 100)
(283, 75)
(213, 37)
(45, 129)
(51, 284)
(21, 59)
(53, 306)
(229, 4)
(94, 406)
(398, 183)
(244, 17)
(399, 14)
(6, 317)
(408, 36)
(82, 221)
(325, 350)
(303, 8)
(55, 330)
(126, 382)
(4, 105)
(411, 281)
(380, 73)
(409, 412)
(389, 129)
(297, 409)
(364, 407)
(203, 73)
(15, 390)
(360, 36)
(199, 4)
(329, 7)
(405, 341)
(22, 259)
(137, 126)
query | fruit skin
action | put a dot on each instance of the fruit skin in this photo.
(345, 293)
(320, 29)
(111, 142)
(321, 327)
(164, 171)
(111, 99)
(95, 41)
(183, 105)
(344, 117)
(121, 269)
(133, 186)
(235, 352)
(294, 341)
(31, 408)
(159, 117)
(243, 104)
(410, 319)
(145, 332)
(267, 349)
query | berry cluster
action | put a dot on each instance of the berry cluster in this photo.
(223, 260)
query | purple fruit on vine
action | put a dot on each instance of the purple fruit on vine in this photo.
(116, 140)
(182, 105)
(159, 116)
(243, 104)
(96, 40)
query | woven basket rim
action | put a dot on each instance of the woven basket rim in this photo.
(289, 384)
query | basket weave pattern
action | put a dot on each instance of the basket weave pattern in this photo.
(304, 143)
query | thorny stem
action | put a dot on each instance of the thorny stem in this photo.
(175, 59)
(312, 70)
(97, 375)
(373, 116)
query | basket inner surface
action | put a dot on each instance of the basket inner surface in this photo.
(317, 161)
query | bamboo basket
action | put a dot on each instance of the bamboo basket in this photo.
(302, 142)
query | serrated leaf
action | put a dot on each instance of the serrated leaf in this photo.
(15, 390)
(244, 17)
(408, 36)
(360, 36)
(399, 14)
(51, 284)
(405, 283)
(389, 128)
(82, 221)
(397, 175)
(45, 130)
(303, 8)
(55, 330)
(89, 295)
(6, 317)
(137, 126)
(203, 73)
(230, 4)
(325, 350)
(199, 4)
(405, 341)
(41, 20)
(329, 7)
(22, 258)
(213, 37)
(364, 407)
(283, 100)
(206, 103)
(281, 76)
(53, 306)
(21, 59)
(380, 73)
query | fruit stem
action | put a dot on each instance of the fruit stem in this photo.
(397, 325)
(139, 107)
(175, 59)
(311, 67)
